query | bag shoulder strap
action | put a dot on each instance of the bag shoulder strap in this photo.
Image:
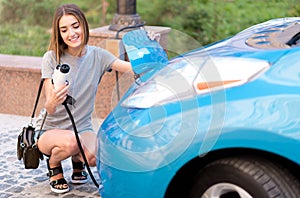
(37, 98)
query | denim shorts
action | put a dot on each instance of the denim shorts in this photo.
(38, 134)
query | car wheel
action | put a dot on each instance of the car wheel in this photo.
(244, 178)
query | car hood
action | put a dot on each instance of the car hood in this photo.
(265, 41)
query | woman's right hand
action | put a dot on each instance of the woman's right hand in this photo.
(54, 97)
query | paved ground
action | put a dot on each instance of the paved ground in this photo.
(15, 181)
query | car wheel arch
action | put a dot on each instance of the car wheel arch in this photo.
(181, 183)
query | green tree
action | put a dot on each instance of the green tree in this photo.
(29, 12)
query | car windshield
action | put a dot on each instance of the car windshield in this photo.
(278, 36)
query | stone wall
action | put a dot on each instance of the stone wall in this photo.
(19, 81)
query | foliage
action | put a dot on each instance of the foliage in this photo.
(23, 40)
(93, 10)
(30, 12)
(25, 23)
(211, 20)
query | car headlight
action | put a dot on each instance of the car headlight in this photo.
(189, 76)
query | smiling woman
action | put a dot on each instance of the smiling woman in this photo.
(68, 45)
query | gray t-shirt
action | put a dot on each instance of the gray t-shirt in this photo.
(86, 73)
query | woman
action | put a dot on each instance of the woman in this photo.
(68, 45)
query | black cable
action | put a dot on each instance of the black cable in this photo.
(118, 86)
(79, 143)
(128, 27)
(294, 39)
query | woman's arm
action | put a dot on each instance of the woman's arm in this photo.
(121, 66)
(54, 97)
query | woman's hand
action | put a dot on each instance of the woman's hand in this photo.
(54, 97)
(124, 66)
(153, 36)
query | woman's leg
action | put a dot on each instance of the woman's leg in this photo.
(89, 144)
(59, 145)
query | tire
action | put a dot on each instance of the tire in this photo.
(244, 177)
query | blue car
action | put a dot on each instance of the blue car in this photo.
(219, 121)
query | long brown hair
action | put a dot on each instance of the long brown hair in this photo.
(56, 43)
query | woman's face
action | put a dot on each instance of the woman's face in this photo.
(71, 32)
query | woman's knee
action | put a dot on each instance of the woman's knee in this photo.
(71, 146)
(92, 161)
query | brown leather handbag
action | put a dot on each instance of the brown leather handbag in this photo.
(26, 145)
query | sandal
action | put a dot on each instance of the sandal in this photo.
(80, 177)
(59, 185)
